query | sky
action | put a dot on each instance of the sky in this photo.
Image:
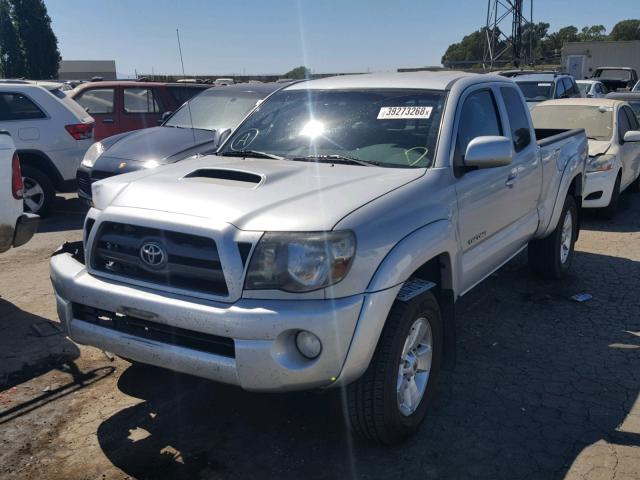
(273, 36)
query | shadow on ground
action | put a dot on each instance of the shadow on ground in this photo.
(539, 378)
(68, 214)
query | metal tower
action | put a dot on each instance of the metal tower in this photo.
(500, 48)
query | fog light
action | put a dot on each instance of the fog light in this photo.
(308, 344)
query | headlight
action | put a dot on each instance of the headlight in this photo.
(602, 163)
(300, 262)
(92, 154)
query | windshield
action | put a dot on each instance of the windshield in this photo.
(536, 91)
(214, 109)
(614, 73)
(584, 87)
(597, 121)
(394, 128)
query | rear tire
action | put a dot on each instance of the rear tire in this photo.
(551, 257)
(39, 192)
(384, 405)
(609, 212)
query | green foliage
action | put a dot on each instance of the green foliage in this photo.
(626, 30)
(11, 60)
(470, 49)
(298, 73)
(592, 33)
(39, 43)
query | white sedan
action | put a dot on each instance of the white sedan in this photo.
(613, 131)
(592, 88)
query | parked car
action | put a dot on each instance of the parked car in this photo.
(539, 87)
(327, 242)
(614, 145)
(51, 134)
(636, 88)
(632, 98)
(196, 127)
(16, 227)
(220, 82)
(592, 88)
(122, 106)
(616, 78)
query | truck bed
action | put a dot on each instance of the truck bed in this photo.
(547, 136)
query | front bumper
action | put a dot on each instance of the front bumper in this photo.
(263, 331)
(598, 189)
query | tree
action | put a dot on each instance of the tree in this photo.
(11, 60)
(626, 30)
(470, 49)
(592, 33)
(39, 43)
(298, 73)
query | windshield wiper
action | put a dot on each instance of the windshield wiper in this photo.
(250, 153)
(336, 159)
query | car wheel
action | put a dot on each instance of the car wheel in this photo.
(609, 212)
(38, 191)
(551, 257)
(390, 400)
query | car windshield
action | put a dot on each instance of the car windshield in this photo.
(614, 73)
(584, 87)
(214, 109)
(536, 91)
(393, 128)
(597, 121)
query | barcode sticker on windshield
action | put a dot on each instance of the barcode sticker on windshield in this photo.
(544, 84)
(404, 113)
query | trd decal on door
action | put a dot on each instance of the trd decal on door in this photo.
(476, 237)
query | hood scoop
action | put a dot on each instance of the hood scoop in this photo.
(219, 176)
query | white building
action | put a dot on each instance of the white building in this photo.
(580, 59)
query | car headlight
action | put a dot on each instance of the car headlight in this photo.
(601, 163)
(92, 154)
(300, 262)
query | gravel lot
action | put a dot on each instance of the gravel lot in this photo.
(544, 387)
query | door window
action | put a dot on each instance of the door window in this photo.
(97, 100)
(518, 120)
(15, 106)
(140, 100)
(633, 120)
(623, 124)
(560, 90)
(479, 117)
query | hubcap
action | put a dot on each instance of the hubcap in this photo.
(566, 237)
(33, 195)
(415, 365)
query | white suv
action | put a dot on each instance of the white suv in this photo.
(51, 134)
(16, 227)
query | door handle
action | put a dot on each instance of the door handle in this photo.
(511, 179)
(107, 120)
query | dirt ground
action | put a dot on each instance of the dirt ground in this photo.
(544, 387)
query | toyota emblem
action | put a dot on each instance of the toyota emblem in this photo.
(153, 255)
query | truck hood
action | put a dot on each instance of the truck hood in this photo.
(156, 143)
(598, 147)
(255, 194)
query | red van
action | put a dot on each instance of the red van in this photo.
(122, 106)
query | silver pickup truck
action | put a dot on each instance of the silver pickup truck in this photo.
(328, 241)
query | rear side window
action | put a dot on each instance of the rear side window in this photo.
(97, 100)
(518, 120)
(478, 118)
(15, 106)
(183, 93)
(140, 100)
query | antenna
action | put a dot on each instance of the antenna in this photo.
(193, 132)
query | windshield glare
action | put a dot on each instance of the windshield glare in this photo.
(394, 128)
(536, 91)
(213, 110)
(597, 121)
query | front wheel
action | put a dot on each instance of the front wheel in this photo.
(390, 400)
(551, 257)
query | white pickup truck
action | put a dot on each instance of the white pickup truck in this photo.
(16, 227)
(328, 241)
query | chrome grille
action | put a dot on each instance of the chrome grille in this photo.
(190, 262)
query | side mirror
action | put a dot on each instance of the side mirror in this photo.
(632, 136)
(222, 135)
(489, 152)
(165, 116)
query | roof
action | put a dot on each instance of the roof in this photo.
(441, 80)
(587, 102)
(540, 77)
(624, 95)
(260, 88)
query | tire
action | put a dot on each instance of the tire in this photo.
(635, 186)
(609, 212)
(546, 258)
(375, 412)
(39, 193)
